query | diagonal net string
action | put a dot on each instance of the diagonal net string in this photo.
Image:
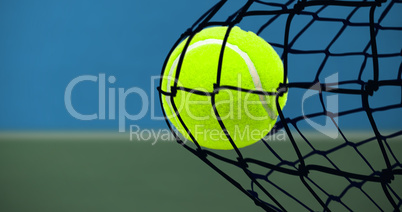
(262, 184)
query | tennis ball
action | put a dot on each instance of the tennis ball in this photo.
(249, 63)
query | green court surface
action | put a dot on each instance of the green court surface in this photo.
(101, 172)
(48, 172)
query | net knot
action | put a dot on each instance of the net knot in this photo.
(216, 88)
(303, 171)
(335, 198)
(173, 91)
(242, 163)
(201, 154)
(187, 32)
(371, 87)
(356, 184)
(255, 194)
(387, 176)
(258, 203)
(282, 89)
(379, 2)
(299, 6)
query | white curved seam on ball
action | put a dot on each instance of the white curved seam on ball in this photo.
(252, 70)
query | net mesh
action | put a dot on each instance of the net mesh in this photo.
(342, 175)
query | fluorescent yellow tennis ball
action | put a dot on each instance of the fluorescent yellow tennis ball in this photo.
(249, 62)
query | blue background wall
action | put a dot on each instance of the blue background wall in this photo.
(44, 45)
